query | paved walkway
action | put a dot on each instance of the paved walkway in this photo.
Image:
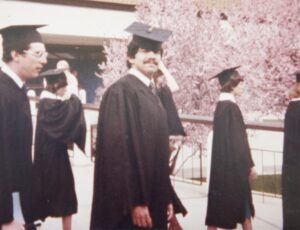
(268, 210)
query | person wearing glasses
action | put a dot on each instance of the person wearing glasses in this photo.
(24, 56)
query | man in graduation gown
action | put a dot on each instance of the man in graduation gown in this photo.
(132, 188)
(60, 122)
(229, 196)
(24, 56)
(291, 161)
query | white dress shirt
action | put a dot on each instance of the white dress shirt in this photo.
(227, 97)
(140, 76)
(49, 95)
(6, 69)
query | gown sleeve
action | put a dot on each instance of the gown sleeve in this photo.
(6, 206)
(63, 120)
(239, 144)
(118, 144)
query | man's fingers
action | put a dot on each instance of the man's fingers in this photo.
(149, 221)
(134, 220)
(141, 217)
(170, 211)
(143, 222)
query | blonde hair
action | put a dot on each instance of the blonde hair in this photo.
(294, 91)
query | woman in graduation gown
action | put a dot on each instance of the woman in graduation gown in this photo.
(291, 161)
(60, 122)
(229, 196)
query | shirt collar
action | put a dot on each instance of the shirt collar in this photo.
(296, 99)
(227, 97)
(6, 69)
(140, 76)
(48, 95)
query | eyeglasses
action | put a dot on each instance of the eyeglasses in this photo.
(36, 54)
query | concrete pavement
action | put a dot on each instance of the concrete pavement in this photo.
(268, 210)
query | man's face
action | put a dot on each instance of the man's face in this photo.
(32, 61)
(146, 61)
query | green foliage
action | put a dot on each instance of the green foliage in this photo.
(267, 184)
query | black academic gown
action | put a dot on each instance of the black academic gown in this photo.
(59, 123)
(229, 189)
(175, 128)
(15, 149)
(174, 123)
(132, 156)
(291, 168)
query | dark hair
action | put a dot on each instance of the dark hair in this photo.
(20, 47)
(232, 83)
(294, 91)
(60, 83)
(132, 49)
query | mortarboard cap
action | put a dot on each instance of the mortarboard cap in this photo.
(226, 74)
(55, 76)
(297, 74)
(148, 37)
(14, 35)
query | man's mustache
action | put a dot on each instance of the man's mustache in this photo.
(151, 61)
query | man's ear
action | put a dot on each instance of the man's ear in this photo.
(15, 56)
(130, 60)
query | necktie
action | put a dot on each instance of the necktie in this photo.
(26, 105)
(153, 88)
(24, 90)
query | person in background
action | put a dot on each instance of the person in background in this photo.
(90, 77)
(60, 122)
(165, 85)
(132, 187)
(24, 56)
(232, 167)
(81, 90)
(72, 81)
(291, 160)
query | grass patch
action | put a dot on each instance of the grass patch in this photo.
(267, 183)
(263, 183)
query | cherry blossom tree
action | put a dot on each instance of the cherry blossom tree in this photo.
(260, 36)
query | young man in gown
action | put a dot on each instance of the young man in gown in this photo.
(24, 55)
(132, 187)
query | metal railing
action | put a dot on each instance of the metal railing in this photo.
(194, 166)
(190, 158)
